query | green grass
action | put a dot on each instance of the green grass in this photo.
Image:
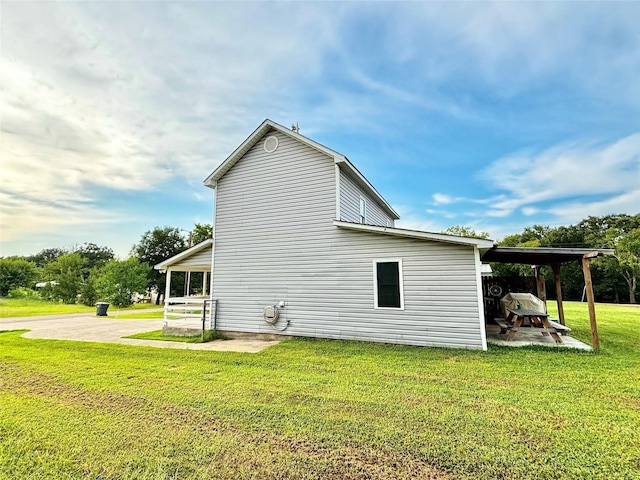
(159, 314)
(318, 409)
(26, 307)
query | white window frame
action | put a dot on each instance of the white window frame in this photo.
(363, 210)
(375, 282)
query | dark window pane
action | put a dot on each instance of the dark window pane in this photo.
(388, 284)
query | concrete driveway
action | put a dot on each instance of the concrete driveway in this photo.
(89, 328)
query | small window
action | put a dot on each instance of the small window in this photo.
(363, 210)
(388, 289)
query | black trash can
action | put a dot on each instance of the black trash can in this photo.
(101, 309)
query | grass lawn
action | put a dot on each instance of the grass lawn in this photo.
(129, 314)
(26, 307)
(317, 409)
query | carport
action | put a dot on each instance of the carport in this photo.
(555, 258)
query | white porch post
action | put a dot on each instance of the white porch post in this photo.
(167, 290)
(204, 283)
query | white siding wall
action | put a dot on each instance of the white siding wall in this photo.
(202, 258)
(440, 292)
(350, 194)
(274, 215)
(275, 241)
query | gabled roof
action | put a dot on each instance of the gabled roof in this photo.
(182, 258)
(403, 232)
(338, 158)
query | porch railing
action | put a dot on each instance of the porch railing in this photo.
(190, 312)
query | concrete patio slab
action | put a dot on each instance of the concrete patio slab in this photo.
(88, 328)
(531, 337)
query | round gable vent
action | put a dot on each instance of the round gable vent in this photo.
(270, 144)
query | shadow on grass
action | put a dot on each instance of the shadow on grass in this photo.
(209, 336)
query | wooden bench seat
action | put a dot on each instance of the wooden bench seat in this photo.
(502, 323)
(505, 326)
(562, 329)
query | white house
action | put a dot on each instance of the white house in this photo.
(304, 245)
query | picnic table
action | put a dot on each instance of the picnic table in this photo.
(540, 320)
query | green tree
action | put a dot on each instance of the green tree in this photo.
(563, 237)
(201, 232)
(155, 246)
(532, 234)
(16, 272)
(66, 272)
(608, 281)
(46, 256)
(119, 280)
(88, 293)
(463, 231)
(596, 228)
(94, 256)
(628, 253)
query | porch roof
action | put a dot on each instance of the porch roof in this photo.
(195, 259)
(542, 255)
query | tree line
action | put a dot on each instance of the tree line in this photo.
(89, 273)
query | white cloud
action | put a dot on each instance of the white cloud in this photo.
(441, 199)
(562, 172)
(558, 186)
(123, 97)
(570, 212)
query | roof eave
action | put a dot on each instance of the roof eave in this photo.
(363, 182)
(418, 234)
(252, 139)
(243, 148)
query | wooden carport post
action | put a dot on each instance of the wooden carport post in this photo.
(586, 270)
(556, 280)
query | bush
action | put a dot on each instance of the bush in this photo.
(46, 292)
(15, 273)
(88, 293)
(22, 292)
(118, 281)
(67, 273)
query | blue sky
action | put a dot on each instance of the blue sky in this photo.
(494, 116)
